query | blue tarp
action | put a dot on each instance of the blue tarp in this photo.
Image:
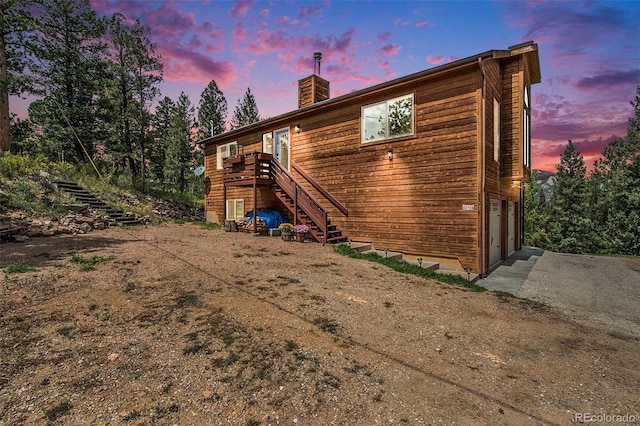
(273, 218)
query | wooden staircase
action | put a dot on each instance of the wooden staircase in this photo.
(86, 198)
(260, 169)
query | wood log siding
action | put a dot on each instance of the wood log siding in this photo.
(414, 202)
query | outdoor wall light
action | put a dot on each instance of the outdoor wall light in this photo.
(297, 128)
(390, 154)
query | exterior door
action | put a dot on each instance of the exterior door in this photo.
(511, 229)
(281, 146)
(494, 232)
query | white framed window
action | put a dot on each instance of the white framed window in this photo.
(224, 151)
(267, 143)
(526, 129)
(235, 209)
(387, 120)
(496, 130)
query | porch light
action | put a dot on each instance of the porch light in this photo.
(297, 128)
(390, 154)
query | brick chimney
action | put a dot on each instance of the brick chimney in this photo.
(314, 88)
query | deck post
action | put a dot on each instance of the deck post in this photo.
(224, 202)
(295, 205)
(255, 207)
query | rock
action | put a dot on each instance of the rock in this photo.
(21, 238)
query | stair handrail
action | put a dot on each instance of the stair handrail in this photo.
(337, 204)
(301, 197)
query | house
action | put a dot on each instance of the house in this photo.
(431, 164)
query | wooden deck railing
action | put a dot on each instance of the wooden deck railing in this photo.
(337, 204)
(260, 169)
(301, 199)
(245, 169)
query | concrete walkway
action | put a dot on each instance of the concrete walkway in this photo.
(513, 272)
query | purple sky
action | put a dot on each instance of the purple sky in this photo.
(589, 52)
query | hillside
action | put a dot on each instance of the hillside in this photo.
(32, 203)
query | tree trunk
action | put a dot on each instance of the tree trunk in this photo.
(4, 94)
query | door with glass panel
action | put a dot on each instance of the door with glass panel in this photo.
(281, 146)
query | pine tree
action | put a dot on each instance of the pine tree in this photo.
(618, 179)
(536, 218)
(136, 69)
(570, 230)
(67, 73)
(212, 111)
(161, 123)
(180, 151)
(15, 25)
(246, 111)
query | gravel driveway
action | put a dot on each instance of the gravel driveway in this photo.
(595, 290)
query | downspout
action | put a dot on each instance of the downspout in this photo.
(483, 208)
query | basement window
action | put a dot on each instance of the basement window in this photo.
(388, 120)
(235, 209)
(224, 151)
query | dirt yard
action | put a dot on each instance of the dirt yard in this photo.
(178, 324)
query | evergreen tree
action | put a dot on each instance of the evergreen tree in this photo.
(161, 123)
(180, 149)
(617, 178)
(67, 72)
(15, 25)
(246, 111)
(570, 230)
(136, 69)
(536, 218)
(212, 111)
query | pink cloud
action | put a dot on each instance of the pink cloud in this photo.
(389, 49)
(383, 37)
(435, 60)
(307, 12)
(183, 64)
(264, 13)
(401, 22)
(421, 23)
(240, 8)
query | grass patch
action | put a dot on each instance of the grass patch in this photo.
(131, 416)
(57, 411)
(16, 318)
(209, 225)
(18, 267)
(406, 268)
(187, 299)
(193, 349)
(65, 331)
(89, 263)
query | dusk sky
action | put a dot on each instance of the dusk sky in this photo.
(589, 52)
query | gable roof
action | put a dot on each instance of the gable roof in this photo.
(528, 48)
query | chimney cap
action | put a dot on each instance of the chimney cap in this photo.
(317, 56)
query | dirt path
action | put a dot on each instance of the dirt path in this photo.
(181, 325)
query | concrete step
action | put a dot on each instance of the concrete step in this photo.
(389, 254)
(360, 247)
(432, 266)
(472, 277)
